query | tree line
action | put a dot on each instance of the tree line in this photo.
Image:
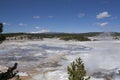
(62, 36)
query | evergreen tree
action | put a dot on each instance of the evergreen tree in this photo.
(1, 27)
(77, 71)
(10, 73)
(2, 38)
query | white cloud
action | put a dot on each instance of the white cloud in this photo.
(102, 15)
(81, 15)
(22, 24)
(42, 31)
(50, 16)
(36, 17)
(37, 27)
(7, 24)
(103, 24)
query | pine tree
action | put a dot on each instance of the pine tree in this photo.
(76, 71)
(10, 73)
(1, 27)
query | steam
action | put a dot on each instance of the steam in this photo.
(104, 56)
(106, 36)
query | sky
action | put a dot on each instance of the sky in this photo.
(72, 16)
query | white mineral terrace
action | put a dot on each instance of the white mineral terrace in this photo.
(48, 59)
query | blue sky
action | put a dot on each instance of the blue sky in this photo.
(76, 16)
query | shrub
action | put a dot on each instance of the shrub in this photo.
(76, 71)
